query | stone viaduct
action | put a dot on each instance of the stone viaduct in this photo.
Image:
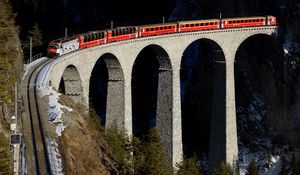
(75, 70)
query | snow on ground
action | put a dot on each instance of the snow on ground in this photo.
(272, 162)
(55, 109)
(55, 157)
(290, 46)
(54, 113)
(28, 67)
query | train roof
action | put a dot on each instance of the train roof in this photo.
(159, 24)
(196, 21)
(123, 27)
(248, 17)
(64, 39)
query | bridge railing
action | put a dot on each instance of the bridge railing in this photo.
(35, 57)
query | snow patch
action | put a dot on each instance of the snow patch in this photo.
(270, 164)
(55, 109)
(28, 67)
(290, 46)
(55, 158)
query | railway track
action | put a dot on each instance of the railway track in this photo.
(39, 143)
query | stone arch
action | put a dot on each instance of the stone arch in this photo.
(259, 83)
(107, 91)
(203, 95)
(71, 85)
(152, 94)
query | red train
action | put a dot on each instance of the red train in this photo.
(65, 45)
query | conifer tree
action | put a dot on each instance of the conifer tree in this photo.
(252, 168)
(188, 167)
(295, 164)
(8, 52)
(224, 169)
(149, 156)
(36, 35)
(119, 142)
(284, 163)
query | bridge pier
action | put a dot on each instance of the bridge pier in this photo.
(231, 125)
(177, 150)
(223, 137)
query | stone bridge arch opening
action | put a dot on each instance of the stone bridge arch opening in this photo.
(259, 90)
(202, 86)
(71, 85)
(106, 93)
(152, 94)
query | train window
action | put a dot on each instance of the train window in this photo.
(207, 24)
(84, 38)
(192, 25)
(211, 23)
(197, 24)
(152, 29)
(147, 30)
(233, 22)
(261, 20)
(165, 27)
(230, 22)
(187, 25)
(201, 24)
(170, 27)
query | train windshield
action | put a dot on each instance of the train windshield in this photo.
(56, 46)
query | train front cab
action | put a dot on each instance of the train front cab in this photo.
(271, 21)
(53, 50)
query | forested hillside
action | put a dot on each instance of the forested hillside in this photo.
(10, 69)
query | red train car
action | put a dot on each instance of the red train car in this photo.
(157, 29)
(121, 33)
(92, 39)
(186, 26)
(271, 20)
(243, 22)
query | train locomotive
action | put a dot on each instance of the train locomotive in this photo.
(69, 44)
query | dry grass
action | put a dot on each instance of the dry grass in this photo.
(83, 145)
